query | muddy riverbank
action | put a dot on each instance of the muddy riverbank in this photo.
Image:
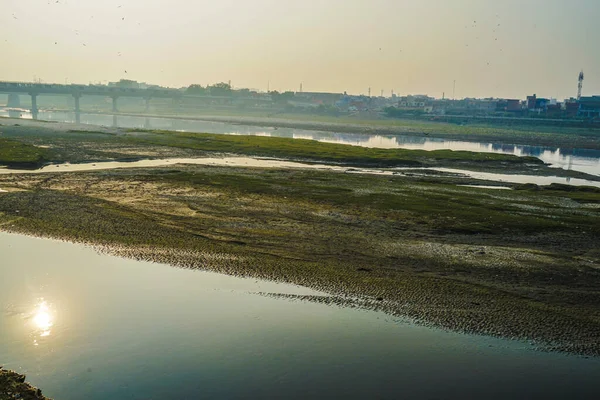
(515, 264)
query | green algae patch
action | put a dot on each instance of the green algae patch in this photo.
(15, 154)
(313, 150)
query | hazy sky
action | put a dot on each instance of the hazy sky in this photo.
(507, 48)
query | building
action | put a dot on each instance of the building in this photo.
(589, 107)
(571, 108)
(554, 110)
(417, 102)
(319, 97)
(486, 106)
(531, 100)
(513, 105)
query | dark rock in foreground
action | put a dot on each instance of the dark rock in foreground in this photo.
(13, 386)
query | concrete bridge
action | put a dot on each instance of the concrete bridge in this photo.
(77, 91)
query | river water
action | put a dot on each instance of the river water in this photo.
(252, 162)
(583, 160)
(87, 326)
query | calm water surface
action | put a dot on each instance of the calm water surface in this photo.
(90, 326)
(276, 163)
(583, 160)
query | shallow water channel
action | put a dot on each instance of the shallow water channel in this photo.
(277, 163)
(583, 160)
(87, 326)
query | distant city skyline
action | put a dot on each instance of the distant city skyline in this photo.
(507, 50)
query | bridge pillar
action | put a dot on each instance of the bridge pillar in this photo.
(115, 109)
(147, 123)
(77, 96)
(115, 123)
(34, 107)
(14, 101)
(147, 99)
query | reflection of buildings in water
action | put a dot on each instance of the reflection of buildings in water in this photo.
(414, 140)
(586, 153)
(283, 133)
(504, 148)
(536, 151)
(565, 152)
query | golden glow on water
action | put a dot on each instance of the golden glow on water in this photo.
(43, 319)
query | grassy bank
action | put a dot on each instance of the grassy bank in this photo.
(319, 151)
(34, 144)
(16, 154)
(518, 264)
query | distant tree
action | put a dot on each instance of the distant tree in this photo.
(220, 89)
(326, 109)
(281, 98)
(393, 112)
(197, 90)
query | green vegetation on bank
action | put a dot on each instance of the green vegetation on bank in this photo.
(441, 207)
(320, 151)
(28, 147)
(14, 153)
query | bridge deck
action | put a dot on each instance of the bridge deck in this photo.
(80, 90)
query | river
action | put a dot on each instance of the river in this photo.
(83, 325)
(583, 160)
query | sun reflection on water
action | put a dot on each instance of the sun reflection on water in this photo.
(42, 318)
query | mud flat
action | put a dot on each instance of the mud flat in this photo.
(519, 264)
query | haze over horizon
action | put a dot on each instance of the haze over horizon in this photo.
(509, 50)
